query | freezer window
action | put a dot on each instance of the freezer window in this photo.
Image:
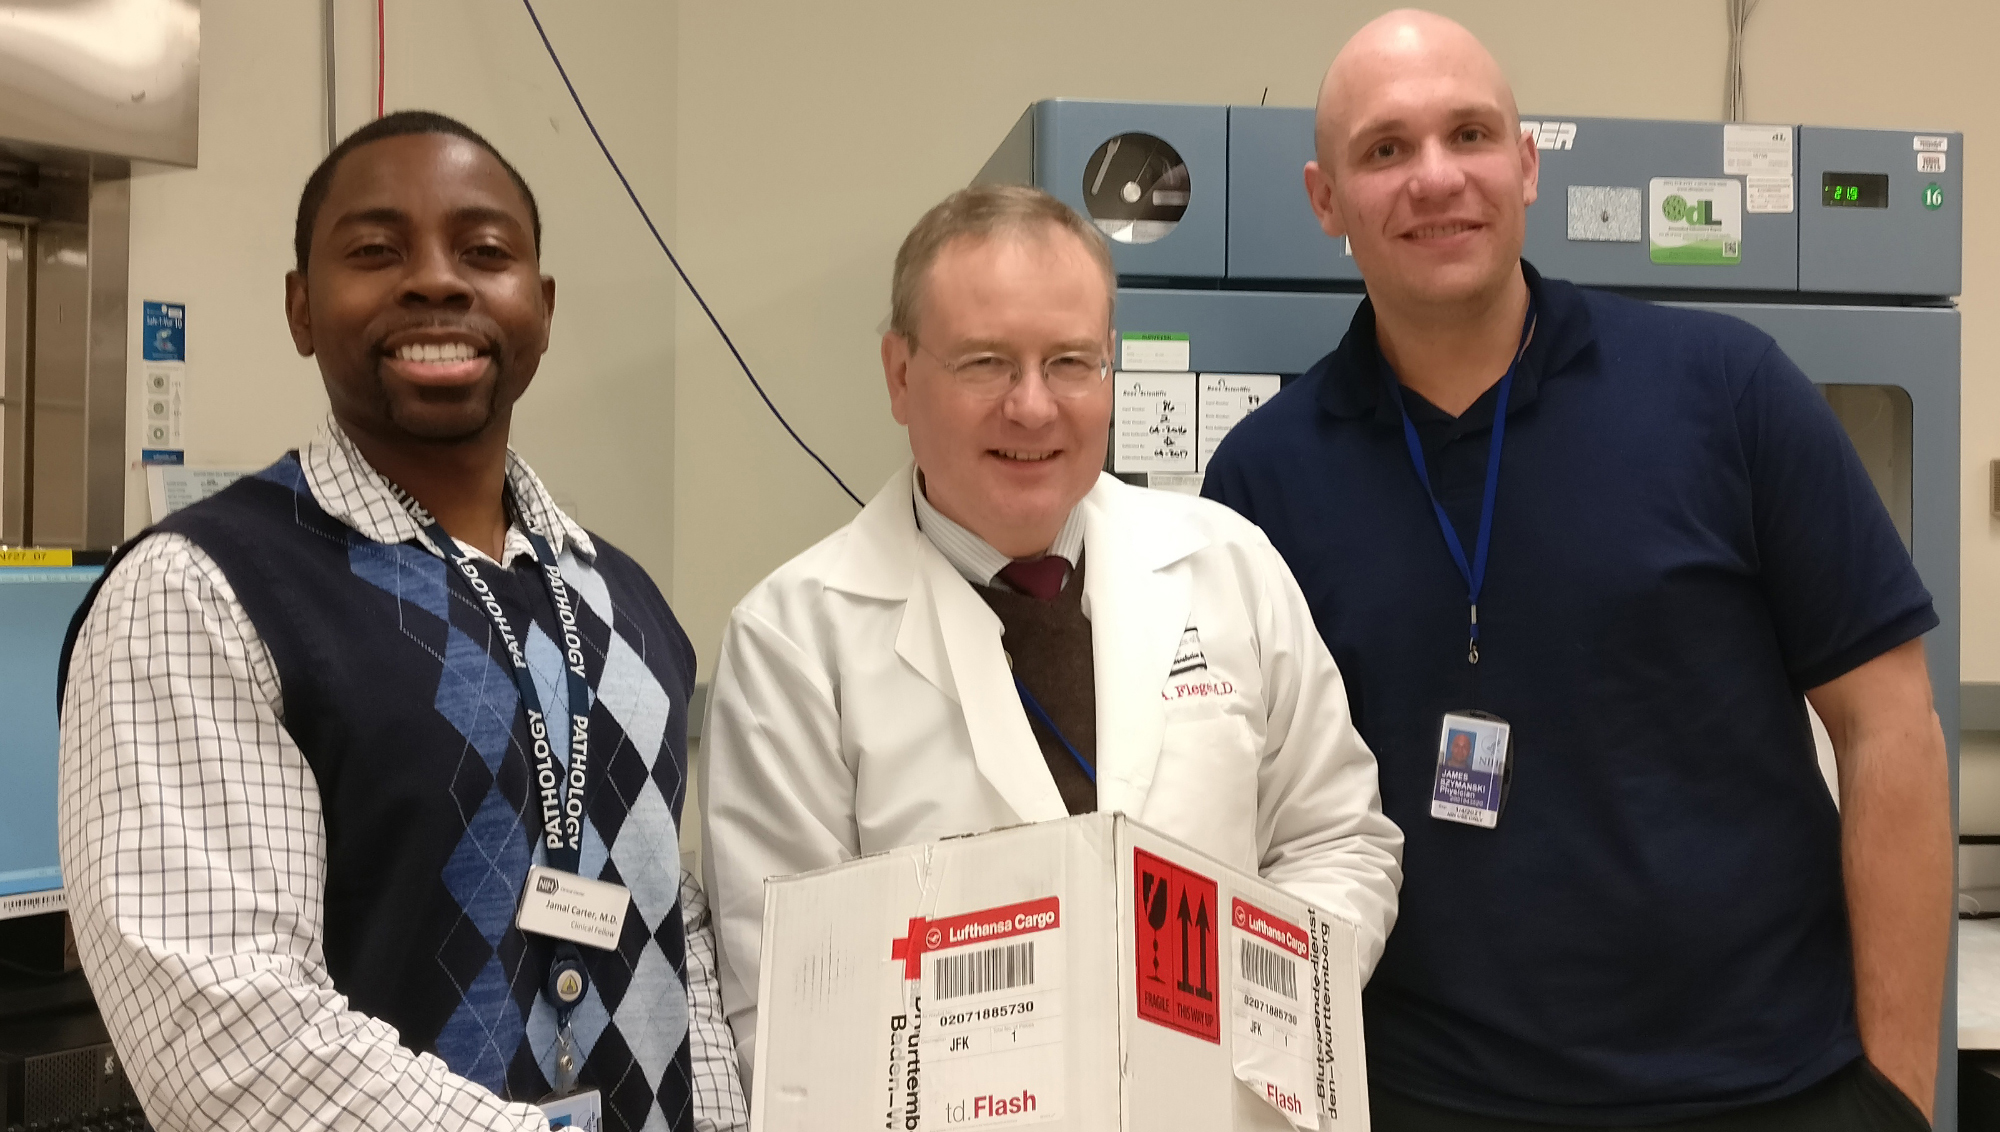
(1135, 188)
(1877, 419)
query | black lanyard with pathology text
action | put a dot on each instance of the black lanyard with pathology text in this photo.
(562, 795)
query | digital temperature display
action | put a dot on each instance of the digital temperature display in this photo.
(1854, 190)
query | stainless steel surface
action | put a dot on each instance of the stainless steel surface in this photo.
(62, 346)
(16, 244)
(104, 393)
(64, 236)
(115, 77)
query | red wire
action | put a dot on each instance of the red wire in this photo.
(381, 57)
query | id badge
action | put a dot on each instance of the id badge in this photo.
(582, 1111)
(1472, 770)
(565, 906)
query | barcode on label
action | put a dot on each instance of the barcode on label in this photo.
(1270, 970)
(992, 969)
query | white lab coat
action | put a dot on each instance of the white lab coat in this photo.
(863, 701)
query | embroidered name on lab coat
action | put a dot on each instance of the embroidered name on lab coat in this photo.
(1191, 677)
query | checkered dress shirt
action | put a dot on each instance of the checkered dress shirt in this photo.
(194, 857)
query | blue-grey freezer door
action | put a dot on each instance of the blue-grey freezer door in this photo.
(1621, 201)
(1892, 374)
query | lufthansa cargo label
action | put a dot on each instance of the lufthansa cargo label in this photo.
(1273, 1036)
(990, 1050)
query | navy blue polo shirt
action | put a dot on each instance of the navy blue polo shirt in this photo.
(1684, 542)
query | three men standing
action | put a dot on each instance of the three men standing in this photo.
(1602, 551)
(1624, 545)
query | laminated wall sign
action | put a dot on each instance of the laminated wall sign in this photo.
(1071, 975)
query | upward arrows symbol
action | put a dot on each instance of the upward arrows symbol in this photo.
(1201, 927)
(1187, 920)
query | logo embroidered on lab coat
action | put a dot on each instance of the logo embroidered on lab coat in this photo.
(1191, 677)
(1188, 657)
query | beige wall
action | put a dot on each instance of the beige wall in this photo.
(791, 144)
(598, 423)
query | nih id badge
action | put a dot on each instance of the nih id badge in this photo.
(1471, 782)
(565, 906)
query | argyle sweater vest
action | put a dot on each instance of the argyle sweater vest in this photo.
(399, 693)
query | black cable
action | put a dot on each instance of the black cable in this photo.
(675, 260)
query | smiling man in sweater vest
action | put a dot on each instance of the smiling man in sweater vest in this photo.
(333, 737)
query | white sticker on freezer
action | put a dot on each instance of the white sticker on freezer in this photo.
(1153, 422)
(1930, 143)
(1767, 194)
(1756, 150)
(1165, 353)
(1226, 398)
(1695, 221)
(1273, 1043)
(1930, 162)
(1177, 482)
(991, 1052)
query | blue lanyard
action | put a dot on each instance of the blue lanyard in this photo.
(562, 796)
(1035, 708)
(1474, 572)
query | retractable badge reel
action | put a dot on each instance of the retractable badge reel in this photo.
(568, 982)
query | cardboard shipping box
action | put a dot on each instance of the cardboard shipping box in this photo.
(1085, 974)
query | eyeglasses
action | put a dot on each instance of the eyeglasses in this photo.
(988, 374)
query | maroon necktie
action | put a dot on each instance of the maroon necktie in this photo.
(1039, 578)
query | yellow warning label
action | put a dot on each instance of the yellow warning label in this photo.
(34, 556)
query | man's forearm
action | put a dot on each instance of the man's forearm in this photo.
(1896, 852)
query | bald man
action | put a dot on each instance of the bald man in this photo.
(1632, 902)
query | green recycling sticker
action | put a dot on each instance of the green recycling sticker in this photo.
(1933, 196)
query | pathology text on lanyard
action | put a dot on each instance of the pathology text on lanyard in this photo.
(562, 796)
(556, 902)
(1473, 570)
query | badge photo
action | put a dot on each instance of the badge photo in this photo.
(1470, 785)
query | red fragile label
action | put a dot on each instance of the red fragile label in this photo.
(972, 927)
(1265, 926)
(1175, 930)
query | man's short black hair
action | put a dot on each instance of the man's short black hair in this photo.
(402, 123)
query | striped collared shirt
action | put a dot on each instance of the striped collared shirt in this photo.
(973, 557)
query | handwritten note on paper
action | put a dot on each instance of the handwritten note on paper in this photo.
(1226, 398)
(1155, 422)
